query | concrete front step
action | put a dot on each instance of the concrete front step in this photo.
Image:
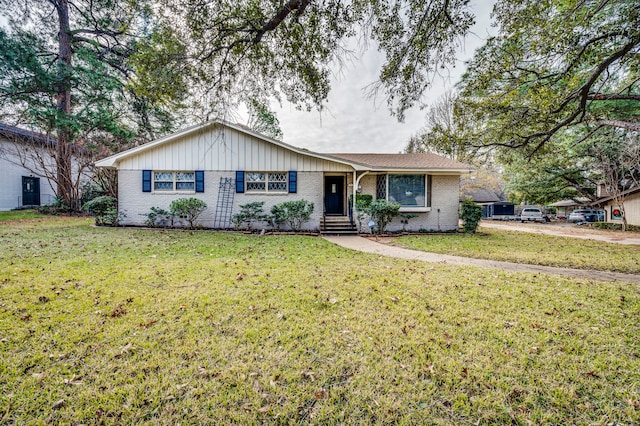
(337, 225)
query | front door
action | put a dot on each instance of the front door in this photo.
(334, 195)
(30, 191)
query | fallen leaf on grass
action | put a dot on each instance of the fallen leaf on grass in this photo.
(148, 324)
(321, 394)
(592, 374)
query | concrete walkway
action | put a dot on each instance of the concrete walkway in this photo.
(369, 246)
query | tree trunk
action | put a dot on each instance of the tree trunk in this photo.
(66, 190)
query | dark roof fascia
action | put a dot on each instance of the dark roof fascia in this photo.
(12, 132)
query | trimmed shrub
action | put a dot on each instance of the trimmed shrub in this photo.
(295, 213)
(615, 226)
(249, 213)
(382, 213)
(188, 208)
(278, 216)
(158, 217)
(470, 213)
(105, 210)
(362, 205)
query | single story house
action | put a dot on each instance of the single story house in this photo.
(22, 155)
(613, 212)
(493, 207)
(228, 165)
(565, 207)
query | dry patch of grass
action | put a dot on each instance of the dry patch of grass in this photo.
(122, 326)
(537, 249)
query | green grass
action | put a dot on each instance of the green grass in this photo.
(126, 326)
(523, 247)
(20, 214)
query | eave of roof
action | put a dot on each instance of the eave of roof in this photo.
(27, 135)
(624, 193)
(406, 162)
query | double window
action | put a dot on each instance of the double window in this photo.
(266, 182)
(174, 181)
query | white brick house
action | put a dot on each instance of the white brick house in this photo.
(24, 183)
(218, 160)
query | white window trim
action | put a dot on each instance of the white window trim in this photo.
(175, 181)
(266, 183)
(412, 209)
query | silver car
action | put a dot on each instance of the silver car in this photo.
(584, 216)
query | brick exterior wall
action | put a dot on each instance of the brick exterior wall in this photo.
(444, 205)
(135, 203)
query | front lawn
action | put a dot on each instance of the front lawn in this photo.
(126, 326)
(20, 214)
(523, 247)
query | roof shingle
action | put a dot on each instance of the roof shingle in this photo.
(404, 161)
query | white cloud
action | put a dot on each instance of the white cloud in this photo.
(355, 123)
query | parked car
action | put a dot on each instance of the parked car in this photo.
(533, 214)
(586, 215)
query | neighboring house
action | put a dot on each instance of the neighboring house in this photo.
(492, 206)
(613, 213)
(23, 184)
(565, 207)
(228, 165)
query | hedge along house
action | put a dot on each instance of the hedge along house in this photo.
(227, 165)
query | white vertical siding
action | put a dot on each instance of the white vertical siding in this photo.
(226, 150)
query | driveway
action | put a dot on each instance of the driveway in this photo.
(564, 229)
(367, 245)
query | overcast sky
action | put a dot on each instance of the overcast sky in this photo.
(355, 123)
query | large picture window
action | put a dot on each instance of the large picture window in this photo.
(408, 190)
(174, 181)
(266, 182)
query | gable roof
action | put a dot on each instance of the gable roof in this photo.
(359, 162)
(113, 160)
(480, 195)
(388, 162)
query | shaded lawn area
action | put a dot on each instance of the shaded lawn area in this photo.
(122, 326)
(523, 247)
(20, 214)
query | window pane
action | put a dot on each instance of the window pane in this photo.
(408, 190)
(277, 186)
(255, 177)
(163, 186)
(163, 176)
(277, 177)
(185, 176)
(255, 186)
(185, 186)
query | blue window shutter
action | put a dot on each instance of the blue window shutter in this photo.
(293, 182)
(146, 181)
(239, 182)
(199, 181)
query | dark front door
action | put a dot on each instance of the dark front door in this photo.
(334, 195)
(30, 191)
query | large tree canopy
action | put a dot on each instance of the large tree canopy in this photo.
(555, 65)
(91, 73)
(239, 49)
